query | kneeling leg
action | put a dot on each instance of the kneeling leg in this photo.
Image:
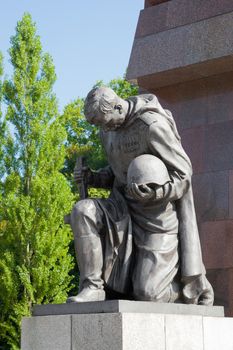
(86, 223)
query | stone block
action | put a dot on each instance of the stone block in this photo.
(219, 99)
(152, 20)
(97, 332)
(231, 194)
(184, 332)
(185, 53)
(217, 244)
(143, 331)
(213, 331)
(210, 193)
(177, 13)
(181, 12)
(222, 282)
(197, 103)
(127, 331)
(193, 141)
(193, 113)
(46, 333)
(219, 145)
(126, 306)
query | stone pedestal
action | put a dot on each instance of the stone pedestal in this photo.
(127, 325)
(183, 52)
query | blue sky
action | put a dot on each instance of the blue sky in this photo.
(89, 40)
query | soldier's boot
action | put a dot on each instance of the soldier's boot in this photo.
(90, 261)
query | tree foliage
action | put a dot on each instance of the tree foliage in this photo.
(2, 123)
(35, 144)
(34, 257)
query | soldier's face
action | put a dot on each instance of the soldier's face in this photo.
(110, 121)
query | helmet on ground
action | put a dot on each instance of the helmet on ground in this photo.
(147, 169)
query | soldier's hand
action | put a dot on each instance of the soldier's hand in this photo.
(207, 296)
(159, 192)
(141, 192)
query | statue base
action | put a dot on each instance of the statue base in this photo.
(126, 325)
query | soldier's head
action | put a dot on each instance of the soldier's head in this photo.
(105, 109)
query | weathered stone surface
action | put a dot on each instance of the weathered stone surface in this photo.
(200, 102)
(126, 306)
(213, 331)
(46, 333)
(194, 144)
(143, 331)
(210, 193)
(209, 145)
(231, 194)
(219, 145)
(219, 102)
(176, 13)
(184, 332)
(97, 332)
(222, 282)
(152, 20)
(210, 150)
(217, 244)
(127, 331)
(185, 53)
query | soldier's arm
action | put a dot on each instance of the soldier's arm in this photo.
(164, 144)
(174, 189)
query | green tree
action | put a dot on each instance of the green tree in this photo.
(34, 252)
(2, 124)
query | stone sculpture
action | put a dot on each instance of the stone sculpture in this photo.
(143, 240)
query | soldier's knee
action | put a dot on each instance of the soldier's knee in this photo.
(85, 207)
(146, 289)
(83, 214)
(151, 292)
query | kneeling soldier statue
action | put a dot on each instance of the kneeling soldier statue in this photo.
(143, 240)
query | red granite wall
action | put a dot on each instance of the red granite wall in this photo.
(203, 110)
(183, 52)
